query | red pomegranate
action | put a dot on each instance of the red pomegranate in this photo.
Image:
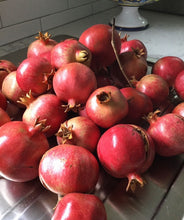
(68, 168)
(168, 68)
(80, 206)
(42, 46)
(4, 117)
(69, 51)
(178, 84)
(106, 106)
(73, 83)
(48, 108)
(21, 148)
(80, 131)
(126, 150)
(98, 39)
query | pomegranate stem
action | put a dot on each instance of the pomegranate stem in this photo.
(116, 54)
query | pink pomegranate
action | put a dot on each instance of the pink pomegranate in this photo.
(179, 109)
(68, 168)
(80, 206)
(21, 148)
(69, 51)
(178, 84)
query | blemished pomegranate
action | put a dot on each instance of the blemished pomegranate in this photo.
(134, 66)
(98, 39)
(134, 44)
(168, 68)
(167, 133)
(106, 106)
(6, 67)
(69, 51)
(80, 206)
(21, 148)
(178, 84)
(155, 87)
(42, 46)
(80, 131)
(34, 74)
(126, 151)
(46, 107)
(68, 168)
(139, 105)
(11, 89)
(73, 83)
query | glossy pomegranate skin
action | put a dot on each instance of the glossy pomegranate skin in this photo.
(80, 131)
(80, 206)
(73, 83)
(179, 109)
(11, 89)
(168, 68)
(6, 67)
(21, 148)
(41, 47)
(167, 134)
(98, 39)
(45, 107)
(106, 106)
(31, 75)
(129, 45)
(68, 168)
(69, 51)
(178, 84)
(139, 101)
(155, 87)
(3, 101)
(121, 150)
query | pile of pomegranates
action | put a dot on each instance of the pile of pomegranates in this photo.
(73, 107)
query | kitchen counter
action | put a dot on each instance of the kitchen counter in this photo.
(162, 195)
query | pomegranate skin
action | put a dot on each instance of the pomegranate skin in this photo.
(80, 131)
(179, 109)
(98, 39)
(106, 106)
(4, 117)
(167, 134)
(168, 68)
(155, 87)
(121, 150)
(45, 107)
(68, 168)
(21, 148)
(69, 51)
(73, 83)
(80, 206)
(178, 84)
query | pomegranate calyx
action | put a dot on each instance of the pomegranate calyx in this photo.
(45, 37)
(27, 99)
(40, 125)
(125, 38)
(48, 77)
(82, 56)
(65, 132)
(75, 108)
(138, 52)
(152, 116)
(104, 97)
(133, 180)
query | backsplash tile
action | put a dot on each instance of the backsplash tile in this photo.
(66, 16)
(74, 3)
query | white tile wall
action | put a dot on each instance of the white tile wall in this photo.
(24, 18)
